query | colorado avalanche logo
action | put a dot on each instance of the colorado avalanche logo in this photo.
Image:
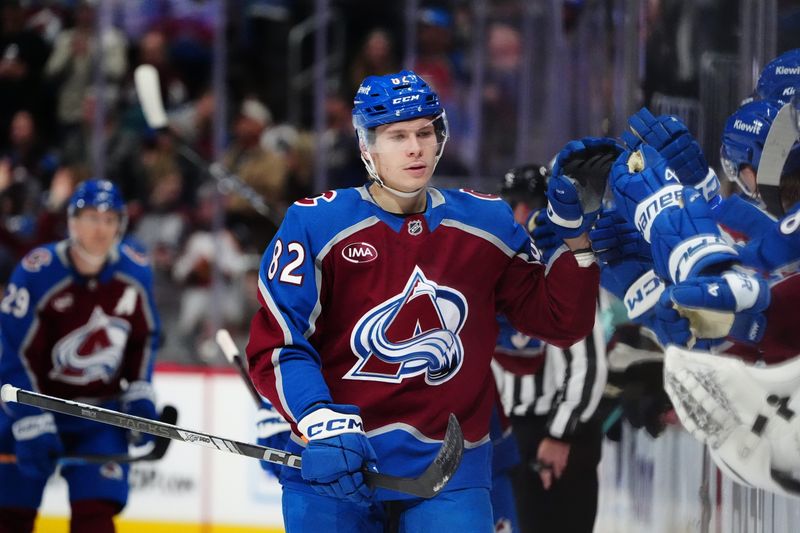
(92, 352)
(412, 333)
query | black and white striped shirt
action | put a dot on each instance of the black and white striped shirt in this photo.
(567, 384)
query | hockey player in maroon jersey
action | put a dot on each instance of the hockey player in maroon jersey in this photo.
(378, 317)
(78, 322)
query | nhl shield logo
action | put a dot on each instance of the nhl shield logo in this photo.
(415, 332)
(415, 227)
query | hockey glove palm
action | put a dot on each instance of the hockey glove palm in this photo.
(272, 431)
(38, 445)
(138, 400)
(337, 452)
(578, 182)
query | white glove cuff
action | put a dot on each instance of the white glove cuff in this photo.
(139, 390)
(686, 255)
(34, 426)
(745, 289)
(325, 423)
(563, 222)
(648, 209)
(643, 294)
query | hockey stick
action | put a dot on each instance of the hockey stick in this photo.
(780, 139)
(155, 451)
(225, 342)
(148, 90)
(427, 485)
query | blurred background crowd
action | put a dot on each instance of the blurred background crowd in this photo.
(264, 88)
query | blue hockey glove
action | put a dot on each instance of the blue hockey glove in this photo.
(37, 446)
(544, 237)
(643, 187)
(337, 451)
(674, 142)
(778, 248)
(139, 400)
(687, 241)
(577, 184)
(713, 308)
(614, 238)
(272, 431)
(626, 268)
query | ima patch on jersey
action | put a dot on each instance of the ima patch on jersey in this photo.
(415, 332)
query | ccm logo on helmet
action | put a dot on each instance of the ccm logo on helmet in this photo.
(404, 99)
(359, 252)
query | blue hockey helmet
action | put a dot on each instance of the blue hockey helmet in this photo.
(99, 194)
(780, 78)
(744, 136)
(394, 98)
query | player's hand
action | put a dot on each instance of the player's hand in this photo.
(37, 445)
(675, 143)
(615, 239)
(686, 242)
(551, 457)
(272, 431)
(643, 187)
(337, 452)
(575, 189)
(731, 305)
(139, 400)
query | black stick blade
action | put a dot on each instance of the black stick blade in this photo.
(438, 473)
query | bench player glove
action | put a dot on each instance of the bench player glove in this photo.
(614, 239)
(272, 431)
(701, 311)
(139, 400)
(686, 241)
(37, 445)
(643, 186)
(577, 184)
(338, 451)
(626, 268)
(675, 143)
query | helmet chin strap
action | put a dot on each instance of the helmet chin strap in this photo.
(373, 173)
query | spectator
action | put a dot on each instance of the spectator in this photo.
(201, 254)
(344, 164)
(22, 56)
(261, 169)
(376, 56)
(71, 65)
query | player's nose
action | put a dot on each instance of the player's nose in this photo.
(414, 146)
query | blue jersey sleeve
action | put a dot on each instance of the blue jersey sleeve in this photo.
(17, 317)
(284, 366)
(777, 248)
